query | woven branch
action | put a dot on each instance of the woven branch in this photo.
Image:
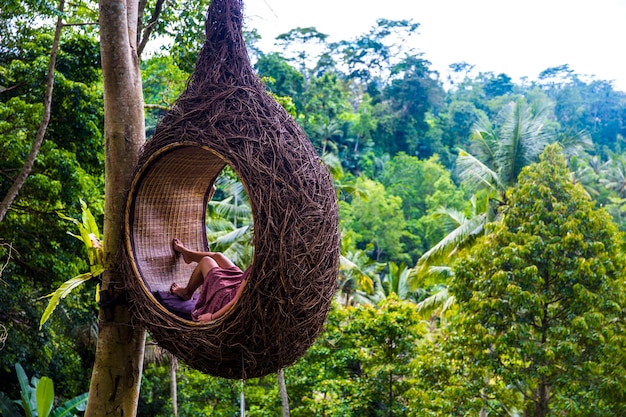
(225, 117)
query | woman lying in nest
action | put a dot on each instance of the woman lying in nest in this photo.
(220, 282)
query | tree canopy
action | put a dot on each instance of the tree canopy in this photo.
(481, 220)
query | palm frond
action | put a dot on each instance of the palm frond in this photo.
(522, 137)
(450, 217)
(588, 174)
(437, 303)
(70, 406)
(231, 208)
(333, 163)
(459, 237)
(484, 141)
(225, 239)
(218, 225)
(8, 407)
(360, 270)
(614, 176)
(66, 288)
(424, 276)
(576, 143)
(475, 173)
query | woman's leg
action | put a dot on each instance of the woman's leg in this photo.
(221, 260)
(195, 256)
(196, 279)
(188, 255)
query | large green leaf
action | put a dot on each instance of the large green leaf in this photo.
(89, 221)
(439, 302)
(45, 396)
(7, 407)
(476, 174)
(63, 291)
(228, 238)
(363, 280)
(459, 237)
(25, 390)
(68, 408)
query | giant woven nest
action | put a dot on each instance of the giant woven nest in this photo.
(225, 117)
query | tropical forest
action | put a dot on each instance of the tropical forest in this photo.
(481, 269)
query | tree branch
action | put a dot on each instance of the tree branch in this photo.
(156, 106)
(30, 160)
(13, 87)
(81, 24)
(150, 26)
(141, 8)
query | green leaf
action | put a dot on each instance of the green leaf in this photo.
(438, 301)
(84, 232)
(97, 270)
(75, 235)
(45, 396)
(62, 292)
(7, 407)
(89, 222)
(456, 239)
(475, 173)
(67, 409)
(25, 390)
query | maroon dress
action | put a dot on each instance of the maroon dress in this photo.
(219, 288)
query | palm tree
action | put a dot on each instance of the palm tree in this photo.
(614, 175)
(343, 186)
(229, 222)
(357, 272)
(396, 281)
(327, 130)
(431, 268)
(589, 173)
(498, 156)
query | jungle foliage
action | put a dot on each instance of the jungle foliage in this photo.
(481, 220)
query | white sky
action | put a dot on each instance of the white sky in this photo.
(519, 38)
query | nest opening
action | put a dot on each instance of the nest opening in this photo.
(172, 192)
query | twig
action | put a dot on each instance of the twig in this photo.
(4, 334)
(9, 257)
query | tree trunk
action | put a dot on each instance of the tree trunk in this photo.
(542, 400)
(284, 398)
(116, 377)
(483, 396)
(390, 398)
(173, 389)
(43, 126)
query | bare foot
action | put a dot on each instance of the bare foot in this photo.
(178, 247)
(180, 291)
